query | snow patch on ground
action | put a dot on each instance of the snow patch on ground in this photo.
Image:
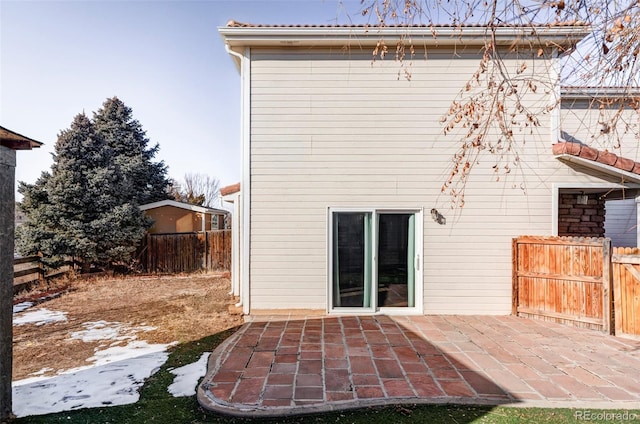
(19, 307)
(40, 317)
(131, 351)
(42, 371)
(104, 330)
(116, 374)
(114, 383)
(186, 377)
(118, 370)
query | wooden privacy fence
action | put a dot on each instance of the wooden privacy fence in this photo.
(30, 269)
(186, 252)
(563, 279)
(626, 290)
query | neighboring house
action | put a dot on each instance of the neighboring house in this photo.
(170, 216)
(20, 217)
(610, 212)
(343, 165)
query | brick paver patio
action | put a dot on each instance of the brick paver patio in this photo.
(288, 366)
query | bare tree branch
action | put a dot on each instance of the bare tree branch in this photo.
(197, 189)
(489, 116)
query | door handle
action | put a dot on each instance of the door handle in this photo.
(417, 263)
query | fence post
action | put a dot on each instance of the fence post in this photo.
(606, 287)
(148, 264)
(207, 251)
(514, 277)
(228, 245)
(42, 279)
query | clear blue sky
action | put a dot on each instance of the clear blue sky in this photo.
(164, 59)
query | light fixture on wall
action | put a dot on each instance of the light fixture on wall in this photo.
(582, 199)
(438, 217)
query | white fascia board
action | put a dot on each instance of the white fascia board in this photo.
(237, 37)
(625, 176)
(598, 92)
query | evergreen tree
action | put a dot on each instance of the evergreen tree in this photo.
(143, 180)
(87, 207)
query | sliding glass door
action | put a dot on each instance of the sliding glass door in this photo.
(373, 260)
(352, 259)
(395, 266)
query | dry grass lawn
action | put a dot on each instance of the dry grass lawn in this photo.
(182, 308)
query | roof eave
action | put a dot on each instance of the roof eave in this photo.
(15, 141)
(230, 189)
(20, 145)
(181, 205)
(598, 92)
(237, 36)
(624, 176)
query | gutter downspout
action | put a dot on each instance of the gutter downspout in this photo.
(556, 129)
(637, 221)
(244, 204)
(556, 113)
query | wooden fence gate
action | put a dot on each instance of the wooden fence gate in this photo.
(626, 290)
(186, 252)
(563, 279)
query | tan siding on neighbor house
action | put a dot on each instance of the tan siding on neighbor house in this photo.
(340, 131)
(170, 219)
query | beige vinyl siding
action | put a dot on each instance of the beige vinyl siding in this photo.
(336, 130)
(582, 119)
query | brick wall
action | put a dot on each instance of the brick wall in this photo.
(581, 220)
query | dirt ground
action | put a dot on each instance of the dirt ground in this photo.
(182, 308)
